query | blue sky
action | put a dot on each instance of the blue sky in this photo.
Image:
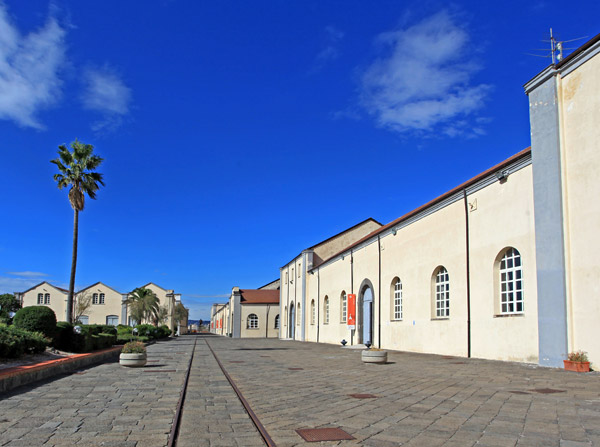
(235, 133)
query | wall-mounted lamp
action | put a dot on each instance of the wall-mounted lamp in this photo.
(502, 175)
(394, 231)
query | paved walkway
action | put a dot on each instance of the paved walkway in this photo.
(105, 405)
(421, 400)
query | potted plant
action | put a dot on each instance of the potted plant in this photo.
(374, 355)
(133, 354)
(577, 361)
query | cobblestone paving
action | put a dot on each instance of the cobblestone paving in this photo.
(213, 415)
(422, 400)
(104, 405)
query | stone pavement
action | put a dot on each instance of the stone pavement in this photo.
(105, 405)
(422, 400)
(213, 415)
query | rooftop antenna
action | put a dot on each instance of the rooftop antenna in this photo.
(556, 48)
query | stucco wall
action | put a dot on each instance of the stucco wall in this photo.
(502, 217)
(579, 99)
(97, 313)
(265, 328)
(58, 300)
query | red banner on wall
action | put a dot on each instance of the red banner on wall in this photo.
(351, 311)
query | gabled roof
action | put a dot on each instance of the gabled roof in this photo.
(95, 284)
(155, 285)
(370, 219)
(522, 154)
(60, 289)
(253, 296)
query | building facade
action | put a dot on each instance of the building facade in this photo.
(500, 267)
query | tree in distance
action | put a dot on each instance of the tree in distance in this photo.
(143, 305)
(77, 170)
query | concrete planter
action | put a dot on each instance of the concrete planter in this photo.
(133, 359)
(370, 356)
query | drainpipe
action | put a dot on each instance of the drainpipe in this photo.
(352, 291)
(318, 303)
(468, 259)
(287, 312)
(267, 323)
(379, 294)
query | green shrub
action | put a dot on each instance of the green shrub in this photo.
(124, 330)
(147, 330)
(164, 331)
(36, 319)
(15, 342)
(63, 337)
(134, 347)
(108, 329)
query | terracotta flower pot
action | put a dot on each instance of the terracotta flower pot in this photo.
(577, 366)
(133, 359)
(371, 356)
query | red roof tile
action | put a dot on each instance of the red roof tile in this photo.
(252, 296)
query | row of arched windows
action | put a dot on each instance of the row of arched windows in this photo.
(509, 292)
(252, 321)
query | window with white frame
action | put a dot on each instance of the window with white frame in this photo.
(101, 298)
(112, 320)
(511, 282)
(343, 307)
(286, 277)
(442, 293)
(312, 312)
(285, 317)
(83, 319)
(94, 298)
(252, 321)
(47, 298)
(277, 321)
(299, 315)
(40, 298)
(397, 298)
(326, 310)
(299, 270)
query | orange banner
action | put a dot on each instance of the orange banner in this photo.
(351, 311)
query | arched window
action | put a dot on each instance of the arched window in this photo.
(102, 298)
(299, 318)
(112, 320)
(343, 307)
(442, 293)
(277, 321)
(326, 310)
(252, 321)
(511, 282)
(83, 319)
(312, 312)
(396, 290)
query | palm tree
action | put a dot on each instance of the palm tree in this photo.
(144, 304)
(77, 170)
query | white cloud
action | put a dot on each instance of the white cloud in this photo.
(28, 274)
(29, 70)
(330, 50)
(106, 93)
(11, 285)
(423, 82)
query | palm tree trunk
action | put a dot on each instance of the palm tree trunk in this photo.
(73, 268)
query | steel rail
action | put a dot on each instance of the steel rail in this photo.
(177, 419)
(259, 426)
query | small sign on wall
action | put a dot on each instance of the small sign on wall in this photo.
(351, 311)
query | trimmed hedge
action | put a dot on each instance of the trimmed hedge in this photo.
(91, 338)
(15, 342)
(36, 319)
